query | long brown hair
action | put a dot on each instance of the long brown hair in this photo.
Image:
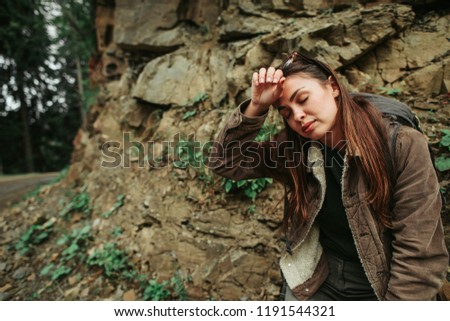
(365, 136)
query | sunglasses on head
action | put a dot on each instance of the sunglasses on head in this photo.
(295, 56)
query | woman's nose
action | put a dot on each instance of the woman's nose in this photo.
(299, 114)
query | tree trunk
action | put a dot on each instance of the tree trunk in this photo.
(80, 88)
(25, 126)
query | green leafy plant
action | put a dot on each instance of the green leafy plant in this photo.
(199, 98)
(189, 114)
(445, 140)
(267, 131)
(113, 261)
(118, 204)
(117, 231)
(251, 209)
(189, 153)
(75, 248)
(76, 243)
(442, 162)
(155, 291)
(55, 273)
(79, 203)
(250, 187)
(390, 91)
(34, 235)
(178, 285)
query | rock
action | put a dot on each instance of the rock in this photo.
(5, 296)
(238, 79)
(201, 12)
(426, 81)
(162, 26)
(446, 76)
(230, 291)
(104, 22)
(257, 57)
(84, 294)
(362, 81)
(3, 266)
(130, 295)
(72, 280)
(147, 25)
(217, 223)
(390, 69)
(6, 287)
(326, 4)
(21, 273)
(178, 85)
(342, 38)
(425, 106)
(236, 27)
(72, 293)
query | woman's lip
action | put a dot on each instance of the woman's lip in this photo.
(307, 126)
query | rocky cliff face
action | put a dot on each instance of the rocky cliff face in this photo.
(171, 72)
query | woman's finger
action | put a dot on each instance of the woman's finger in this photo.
(277, 76)
(262, 75)
(256, 78)
(270, 73)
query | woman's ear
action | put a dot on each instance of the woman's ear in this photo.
(334, 87)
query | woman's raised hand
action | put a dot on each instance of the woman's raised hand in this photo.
(267, 87)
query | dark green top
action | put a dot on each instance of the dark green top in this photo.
(335, 233)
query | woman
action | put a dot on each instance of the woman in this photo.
(360, 224)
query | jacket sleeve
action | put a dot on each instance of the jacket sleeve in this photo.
(419, 258)
(235, 154)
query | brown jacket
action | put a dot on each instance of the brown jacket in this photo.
(407, 262)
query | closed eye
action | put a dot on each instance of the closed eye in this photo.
(304, 100)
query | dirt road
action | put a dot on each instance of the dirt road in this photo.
(14, 187)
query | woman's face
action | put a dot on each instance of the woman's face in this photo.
(309, 106)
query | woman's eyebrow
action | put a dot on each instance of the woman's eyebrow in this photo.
(279, 108)
(295, 93)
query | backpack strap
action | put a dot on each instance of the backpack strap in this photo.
(393, 137)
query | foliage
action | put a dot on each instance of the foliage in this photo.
(251, 209)
(34, 235)
(250, 187)
(199, 98)
(79, 203)
(76, 243)
(155, 291)
(55, 273)
(39, 108)
(190, 153)
(266, 132)
(390, 91)
(117, 231)
(75, 248)
(445, 140)
(178, 286)
(113, 261)
(118, 204)
(442, 162)
(189, 114)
